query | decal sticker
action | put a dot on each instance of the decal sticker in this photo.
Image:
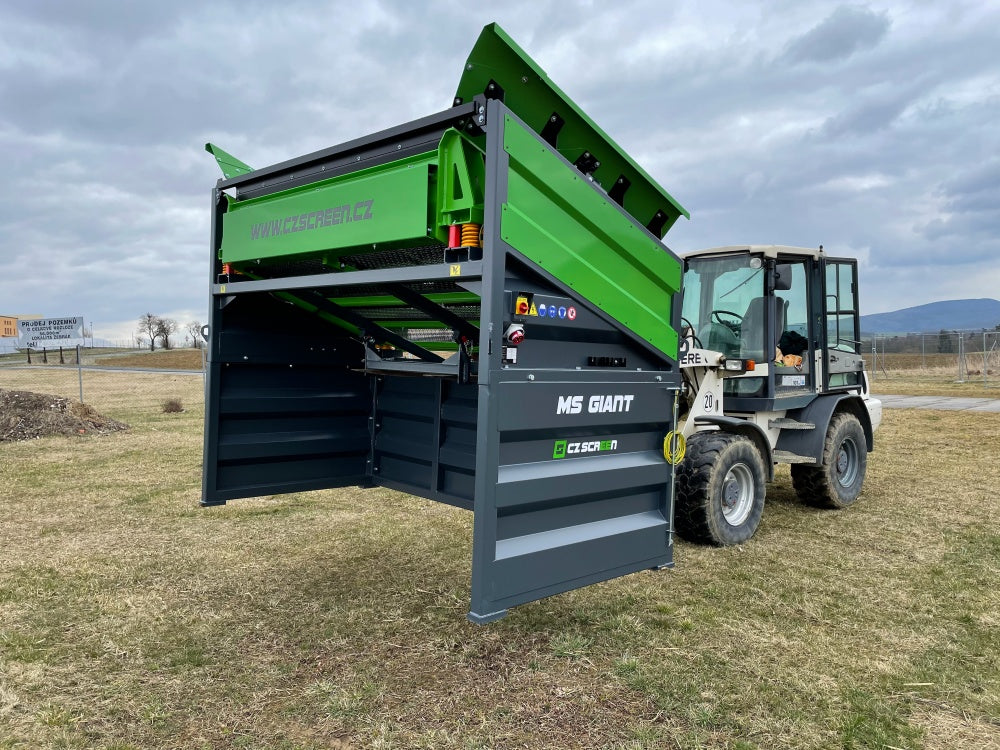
(533, 310)
(571, 313)
(562, 312)
(455, 270)
(600, 404)
(563, 448)
(542, 309)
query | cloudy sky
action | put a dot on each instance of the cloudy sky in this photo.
(869, 128)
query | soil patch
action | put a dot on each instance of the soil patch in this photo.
(25, 416)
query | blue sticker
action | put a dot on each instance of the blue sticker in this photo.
(541, 310)
(562, 312)
(552, 311)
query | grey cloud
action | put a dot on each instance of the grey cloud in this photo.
(848, 29)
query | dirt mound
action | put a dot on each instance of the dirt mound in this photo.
(25, 415)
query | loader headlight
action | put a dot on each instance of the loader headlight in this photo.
(738, 365)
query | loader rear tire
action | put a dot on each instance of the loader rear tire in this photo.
(837, 482)
(720, 489)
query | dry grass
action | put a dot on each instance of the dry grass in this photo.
(172, 359)
(131, 618)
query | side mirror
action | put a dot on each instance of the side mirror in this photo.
(782, 277)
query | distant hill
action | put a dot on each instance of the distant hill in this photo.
(951, 315)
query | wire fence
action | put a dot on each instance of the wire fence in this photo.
(949, 356)
(121, 381)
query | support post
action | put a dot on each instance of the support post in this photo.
(79, 371)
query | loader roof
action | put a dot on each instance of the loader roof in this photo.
(768, 251)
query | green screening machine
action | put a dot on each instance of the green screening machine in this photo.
(474, 307)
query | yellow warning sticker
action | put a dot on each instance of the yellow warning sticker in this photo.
(533, 310)
(222, 289)
(455, 270)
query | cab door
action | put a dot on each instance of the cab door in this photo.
(844, 363)
(795, 373)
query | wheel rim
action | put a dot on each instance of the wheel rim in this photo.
(737, 494)
(848, 463)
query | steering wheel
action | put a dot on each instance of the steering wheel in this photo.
(718, 313)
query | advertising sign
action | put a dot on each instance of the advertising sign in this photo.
(50, 333)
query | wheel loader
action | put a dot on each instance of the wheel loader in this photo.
(477, 308)
(772, 370)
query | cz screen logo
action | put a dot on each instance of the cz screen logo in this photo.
(563, 448)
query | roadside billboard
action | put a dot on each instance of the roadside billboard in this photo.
(50, 333)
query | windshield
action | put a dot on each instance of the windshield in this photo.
(724, 304)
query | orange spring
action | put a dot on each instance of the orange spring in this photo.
(471, 235)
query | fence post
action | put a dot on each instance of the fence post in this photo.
(874, 355)
(29, 354)
(79, 371)
(985, 360)
(45, 355)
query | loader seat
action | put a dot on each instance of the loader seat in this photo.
(752, 332)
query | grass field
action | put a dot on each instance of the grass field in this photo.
(132, 618)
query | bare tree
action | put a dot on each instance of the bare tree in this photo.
(194, 329)
(165, 327)
(147, 329)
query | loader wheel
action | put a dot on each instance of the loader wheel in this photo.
(720, 489)
(837, 482)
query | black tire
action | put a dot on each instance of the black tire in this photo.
(837, 482)
(720, 489)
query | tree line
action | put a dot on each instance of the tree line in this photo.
(153, 329)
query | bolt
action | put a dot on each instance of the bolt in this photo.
(482, 109)
(481, 119)
(597, 164)
(245, 357)
(524, 79)
(357, 158)
(659, 378)
(530, 376)
(469, 66)
(398, 147)
(492, 86)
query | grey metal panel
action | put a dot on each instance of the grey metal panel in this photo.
(439, 272)
(546, 522)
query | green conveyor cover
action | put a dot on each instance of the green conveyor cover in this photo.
(526, 89)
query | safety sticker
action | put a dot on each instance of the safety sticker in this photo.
(571, 313)
(455, 270)
(533, 310)
(541, 309)
(562, 312)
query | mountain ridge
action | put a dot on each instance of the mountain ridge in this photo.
(948, 315)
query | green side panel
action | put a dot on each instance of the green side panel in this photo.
(529, 93)
(229, 164)
(376, 206)
(579, 236)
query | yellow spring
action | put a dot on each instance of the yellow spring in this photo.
(471, 236)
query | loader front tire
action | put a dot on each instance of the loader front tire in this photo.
(720, 489)
(837, 482)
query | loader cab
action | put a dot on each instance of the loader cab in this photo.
(794, 311)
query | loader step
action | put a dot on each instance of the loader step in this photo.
(787, 457)
(784, 423)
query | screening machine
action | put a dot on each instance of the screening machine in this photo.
(474, 307)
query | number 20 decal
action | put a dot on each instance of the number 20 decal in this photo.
(709, 402)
